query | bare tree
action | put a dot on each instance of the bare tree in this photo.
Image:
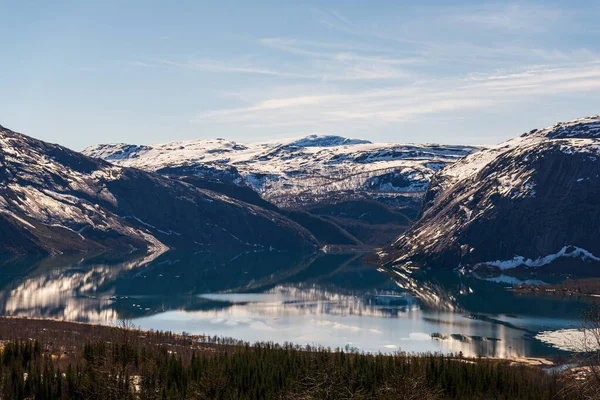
(583, 380)
(328, 383)
(409, 387)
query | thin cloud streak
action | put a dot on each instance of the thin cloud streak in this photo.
(370, 75)
(400, 103)
(512, 17)
(215, 66)
(342, 71)
(339, 52)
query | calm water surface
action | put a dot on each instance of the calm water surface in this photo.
(329, 300)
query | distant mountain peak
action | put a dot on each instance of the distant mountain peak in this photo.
(316, 140)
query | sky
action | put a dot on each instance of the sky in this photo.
(81, 72)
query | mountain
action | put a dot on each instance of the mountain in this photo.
(54, 200)
(529, 202)
(326, 141)
(294, 171)
(346, 191)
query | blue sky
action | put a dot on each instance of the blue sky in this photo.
(84, 72)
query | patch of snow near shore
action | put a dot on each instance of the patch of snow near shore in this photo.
(511, 280)
(566, 251)
(576, 340)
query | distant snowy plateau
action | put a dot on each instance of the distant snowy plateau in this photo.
(295, 172)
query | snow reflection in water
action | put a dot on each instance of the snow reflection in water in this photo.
(329, 300)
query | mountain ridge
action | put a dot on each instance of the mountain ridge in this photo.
(530, 201)
(294, 171)
(344, 183)
(55, 200)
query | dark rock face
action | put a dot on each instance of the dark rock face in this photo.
(528, 202)
(55, 200)
(217, 172)
(371, 223)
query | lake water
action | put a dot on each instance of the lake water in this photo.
(329, 300)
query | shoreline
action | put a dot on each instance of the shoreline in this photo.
(65, 360)
(44, 327)
(583, 287)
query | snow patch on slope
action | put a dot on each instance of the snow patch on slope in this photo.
(582, 128)
(587, 127)
(566, 251)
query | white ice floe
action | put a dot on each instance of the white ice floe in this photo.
(576, 340)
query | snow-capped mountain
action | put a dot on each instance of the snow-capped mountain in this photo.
(295, 171)
(56, 200)
(531, 201)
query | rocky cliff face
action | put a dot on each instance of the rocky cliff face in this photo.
(532, 201)
(55, 200)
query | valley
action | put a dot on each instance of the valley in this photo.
(369, 192)
(299, 200)
(376, 248)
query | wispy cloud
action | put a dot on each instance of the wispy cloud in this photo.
(235, 67)
(327, 67)
(543, 76)
(436, 62)
(403, 102)
(137, 63)
(512, 17)
(334, 20)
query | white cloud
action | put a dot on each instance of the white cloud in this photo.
(431, 63)
(512, 17)
(376, 106)
(235, 67)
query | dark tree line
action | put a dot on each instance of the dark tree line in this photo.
(125, 366)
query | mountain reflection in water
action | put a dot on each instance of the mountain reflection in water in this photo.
(329, 299)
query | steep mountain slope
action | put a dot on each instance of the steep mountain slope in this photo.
(55, 200)
(532, 201)
(344, 184)
(295, 172)
(325, 231)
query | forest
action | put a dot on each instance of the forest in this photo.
(59, 360)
